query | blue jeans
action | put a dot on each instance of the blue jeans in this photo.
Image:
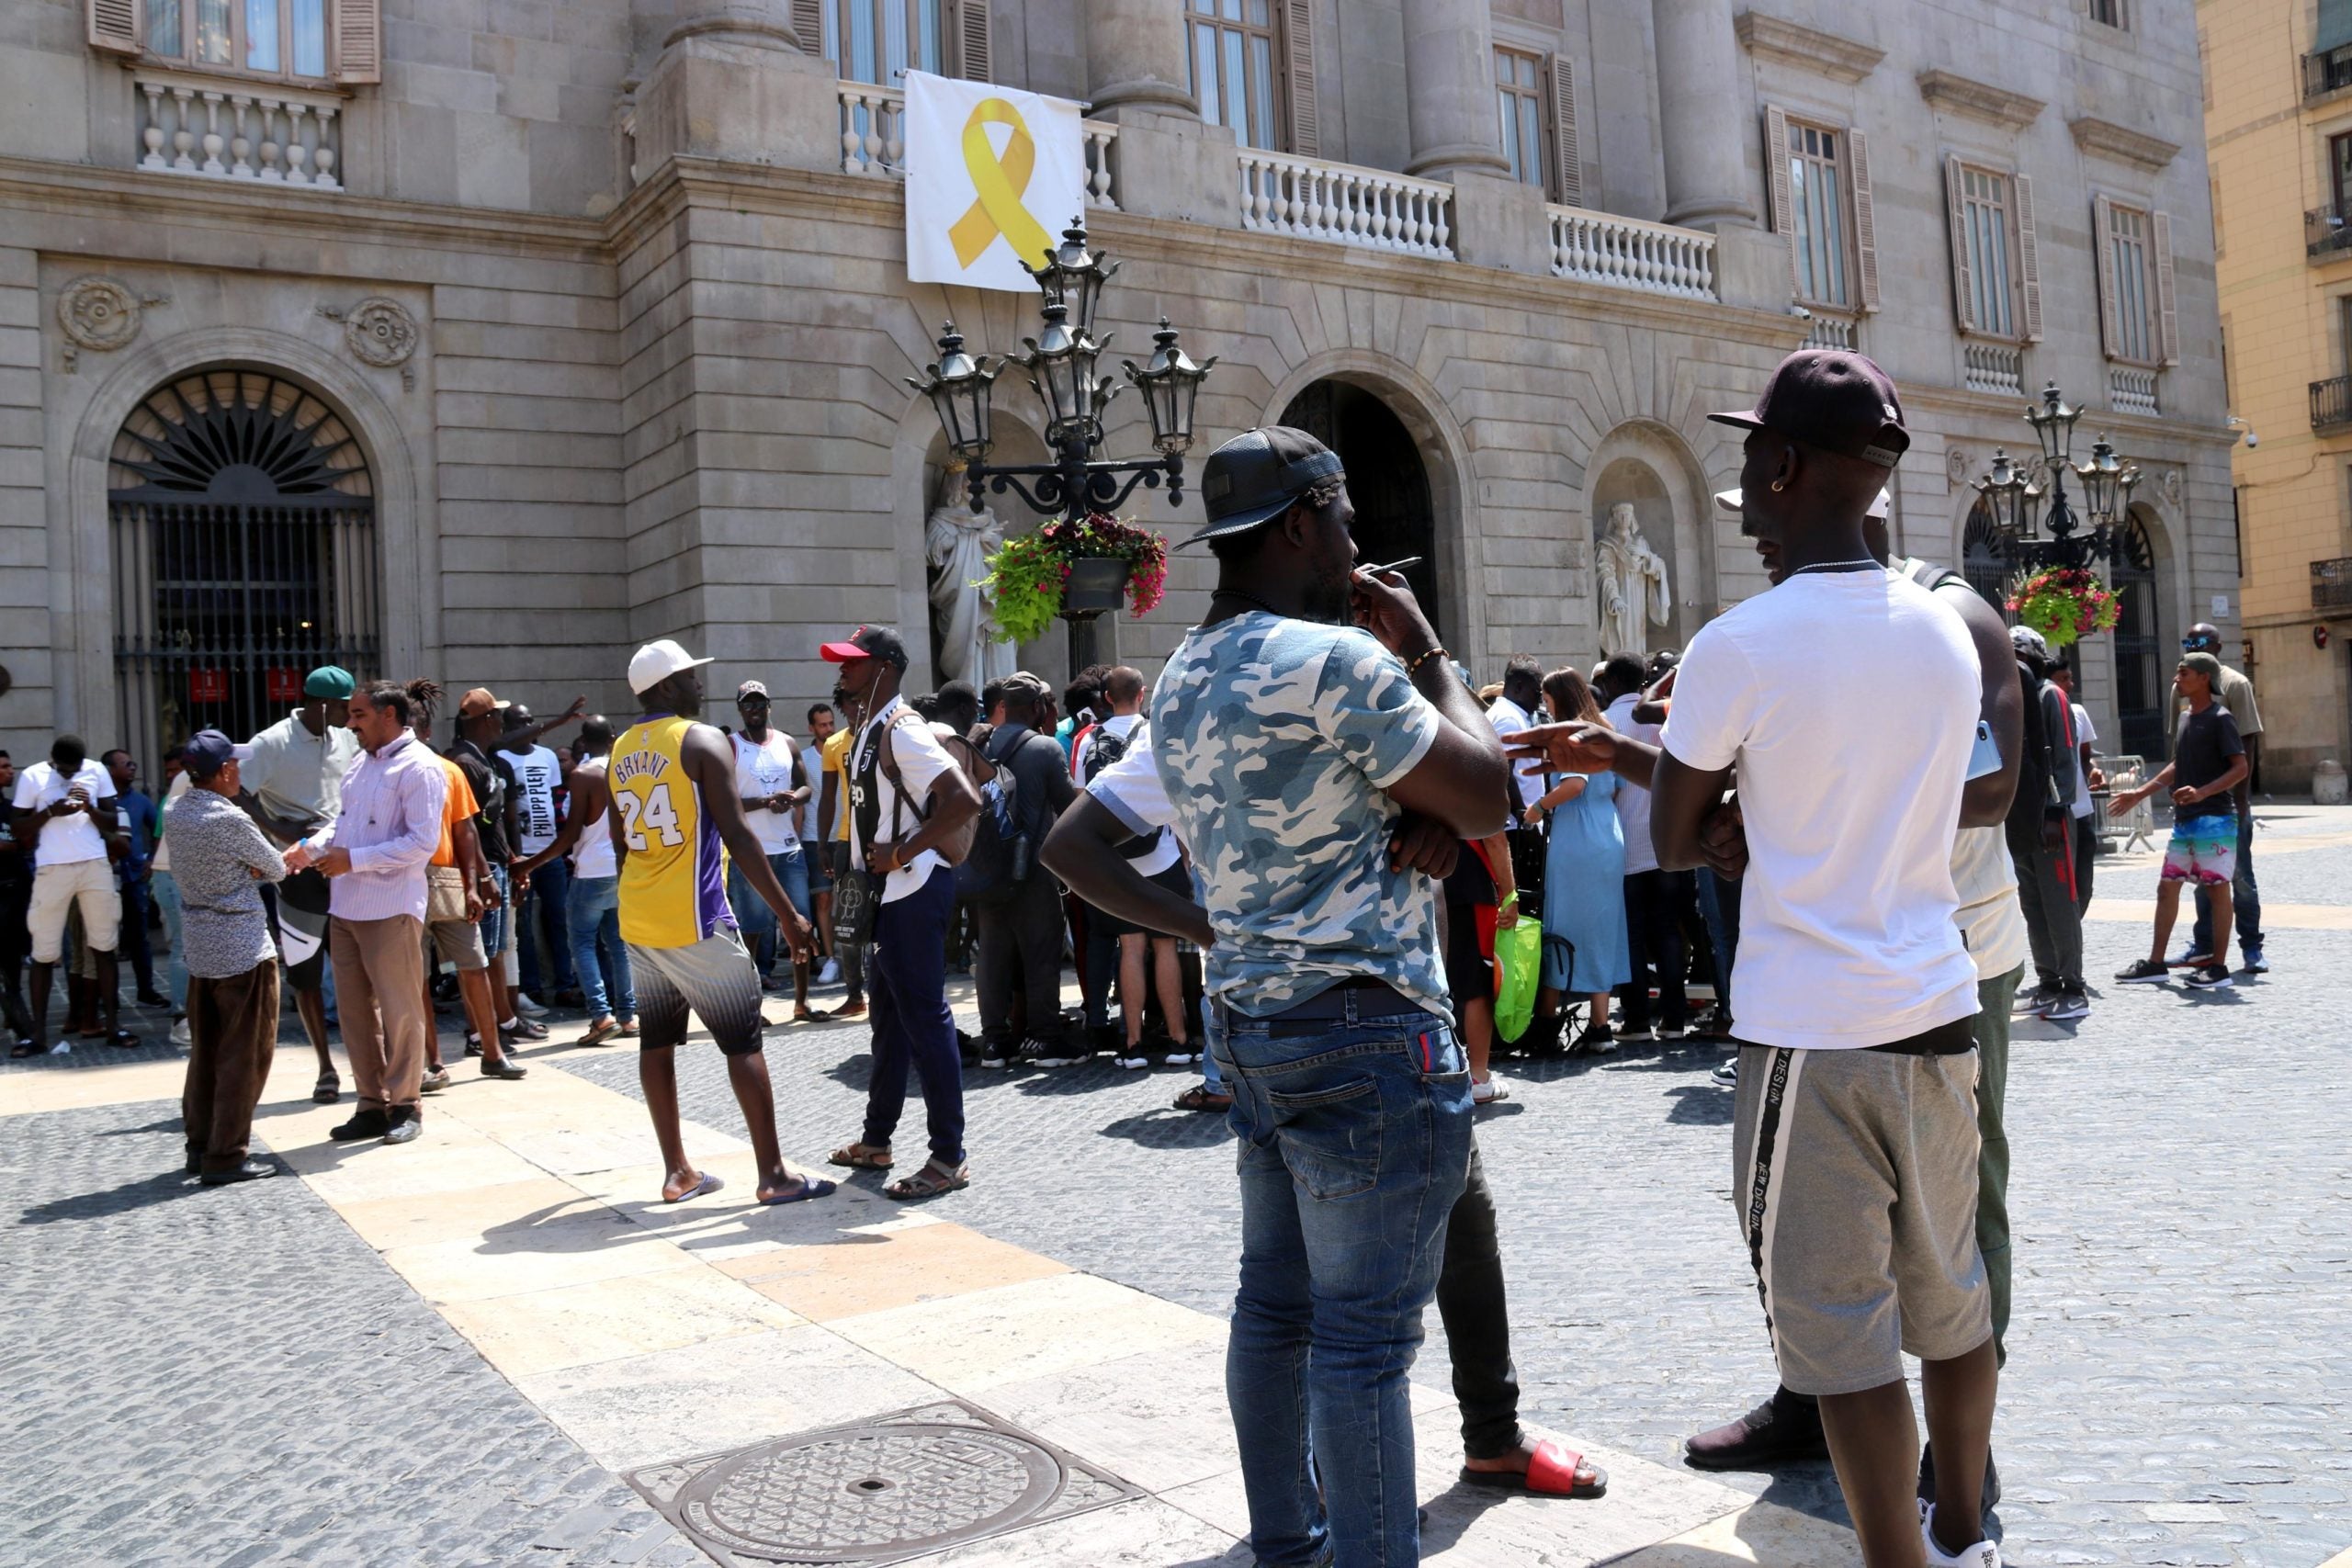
(167, 898)
(757, 921)
(907, 988)
(594, 913)
(1355, 1144)
(543, 935)
(2246, 900)
(495, 923)
(1719, 906)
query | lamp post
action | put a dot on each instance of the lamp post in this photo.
(2014, 496)
(1061, 361)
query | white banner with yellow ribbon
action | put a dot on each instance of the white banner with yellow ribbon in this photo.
(993, 176)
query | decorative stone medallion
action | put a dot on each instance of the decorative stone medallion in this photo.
(379, 332)
(98, 313)
(2172, 486)
(1956, 465)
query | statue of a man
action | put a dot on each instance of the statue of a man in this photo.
(957, 542)
(1633, 589)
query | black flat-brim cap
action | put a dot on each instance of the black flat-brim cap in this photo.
(1832, 400)
(1255, 477)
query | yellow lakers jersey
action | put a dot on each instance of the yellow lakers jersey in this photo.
(674, 884)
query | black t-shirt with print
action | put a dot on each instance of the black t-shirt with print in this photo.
(2203, 747)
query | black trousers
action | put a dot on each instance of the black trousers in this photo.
(16, 946)
(1656, 905)
(1023, 936)
(1471, 1303)
(2086, 854)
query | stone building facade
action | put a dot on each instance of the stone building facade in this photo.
(2278, 130)
(487, 338)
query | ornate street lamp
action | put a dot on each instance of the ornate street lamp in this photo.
(1170, 383)
(2003, 493)
(2053, 422)
(2015, 498)
(1061, 362)
(2100, 475)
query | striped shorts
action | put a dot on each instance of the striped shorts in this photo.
(1855, 1177)
(715, 978)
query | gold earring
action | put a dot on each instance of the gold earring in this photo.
(1779, 485)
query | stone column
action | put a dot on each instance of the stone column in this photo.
(732, 82)
(1703, 119)
(1449, 88)
(1134, 60)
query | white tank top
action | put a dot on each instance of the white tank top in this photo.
(592, 856)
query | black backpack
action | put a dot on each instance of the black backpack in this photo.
(1106, 750)
(1003, 847)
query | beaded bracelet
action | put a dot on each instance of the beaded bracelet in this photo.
(1413, 667)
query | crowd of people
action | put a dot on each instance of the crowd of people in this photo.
(1289, 857)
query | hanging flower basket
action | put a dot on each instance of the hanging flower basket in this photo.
(1029, 577)
(2064, 604)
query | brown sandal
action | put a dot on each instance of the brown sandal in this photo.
(860, 1156)
(1198, 1098)
(932, 1181)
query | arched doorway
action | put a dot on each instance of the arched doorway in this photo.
(2142, 673)
(1387, 480)
(243, 531)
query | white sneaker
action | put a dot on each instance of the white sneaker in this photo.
(1984, 1554)
(62, 1048)
(1132, 1063)
(1180, 1059)
(180, 1035)
(526, 1007)
(830, 974)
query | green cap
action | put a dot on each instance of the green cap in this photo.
(2205, 664)
(330, 681)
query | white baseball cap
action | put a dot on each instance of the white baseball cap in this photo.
(656, 662)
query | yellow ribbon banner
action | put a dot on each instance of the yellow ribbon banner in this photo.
(999, 184)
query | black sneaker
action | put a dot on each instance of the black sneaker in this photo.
(405, 1129)
(2066, 1007)
(995, 1052)
(2212, 978)
(1784, 1429)
(363, 1124)
(1726, 1074)
(2033, 1001)
(1066, 1052)
(2145, 972)
(251, 1171)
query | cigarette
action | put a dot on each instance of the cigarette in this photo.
(1392, 566)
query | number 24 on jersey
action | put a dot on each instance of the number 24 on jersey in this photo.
(657, 815)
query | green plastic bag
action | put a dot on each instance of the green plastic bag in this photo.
(1520, 951)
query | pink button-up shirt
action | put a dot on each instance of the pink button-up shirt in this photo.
(391, 824)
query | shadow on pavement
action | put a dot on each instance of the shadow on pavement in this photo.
(1170, 1129)
(141, 1192)
(1700, 1105)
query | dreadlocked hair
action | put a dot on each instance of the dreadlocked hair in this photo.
(425, 693)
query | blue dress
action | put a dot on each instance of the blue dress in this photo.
(1584, 892)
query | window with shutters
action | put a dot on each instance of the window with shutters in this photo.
(287, 39)
(2113, 13)
(881, 41)
(1234, 50)
(1519, 98)
(1817, 213)
(1987, 236)
(2130, 251)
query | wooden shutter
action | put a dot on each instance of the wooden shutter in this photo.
(1963, 279)
(808, 25)
(114, 25)
(1567, 156)
(2028, 258)
(2110, 326)
(1776, 183)
(358, 42)
(2167, 312)
(1305, 123)
(1857, 169)
(973, 58)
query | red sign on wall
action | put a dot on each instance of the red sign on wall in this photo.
(208, 685)
(284, 686)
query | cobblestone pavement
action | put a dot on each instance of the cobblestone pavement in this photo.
(234, 1378)
(2179, 1383)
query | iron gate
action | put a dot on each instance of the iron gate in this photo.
(245, 556)
(2143, 673)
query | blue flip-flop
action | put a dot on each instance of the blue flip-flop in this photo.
(809, 1187)
(708, 1184)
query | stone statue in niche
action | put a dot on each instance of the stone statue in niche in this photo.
(1635, 594)
(957, 542)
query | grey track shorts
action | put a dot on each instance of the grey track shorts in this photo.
(714, 977)
(1854, 1174)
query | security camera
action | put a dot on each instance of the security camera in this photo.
(1800, 313)
(2252, 441)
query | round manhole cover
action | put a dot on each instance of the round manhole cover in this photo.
(873, 1496)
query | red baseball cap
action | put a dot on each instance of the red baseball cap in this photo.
(867, 642)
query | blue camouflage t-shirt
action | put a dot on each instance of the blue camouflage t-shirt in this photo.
(1274, 739)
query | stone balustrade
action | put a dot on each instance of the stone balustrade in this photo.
(1629, 253)
(239, 130)
(1372, 208)
(1830, 331)
(873, 139)
(1993, 367)
(2132, 391)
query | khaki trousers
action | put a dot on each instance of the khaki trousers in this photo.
(233, 1032)
(380, 992)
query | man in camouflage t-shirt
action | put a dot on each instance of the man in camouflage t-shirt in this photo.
(1288, 743)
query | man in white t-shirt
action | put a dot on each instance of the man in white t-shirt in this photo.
(1854, 1132)
(1156, 857)
(2087, 777)
(65, 815)
(906, 797)
(773, 785)
(541, 911)
(1521, 700)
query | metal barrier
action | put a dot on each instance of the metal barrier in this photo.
(2138, 826)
